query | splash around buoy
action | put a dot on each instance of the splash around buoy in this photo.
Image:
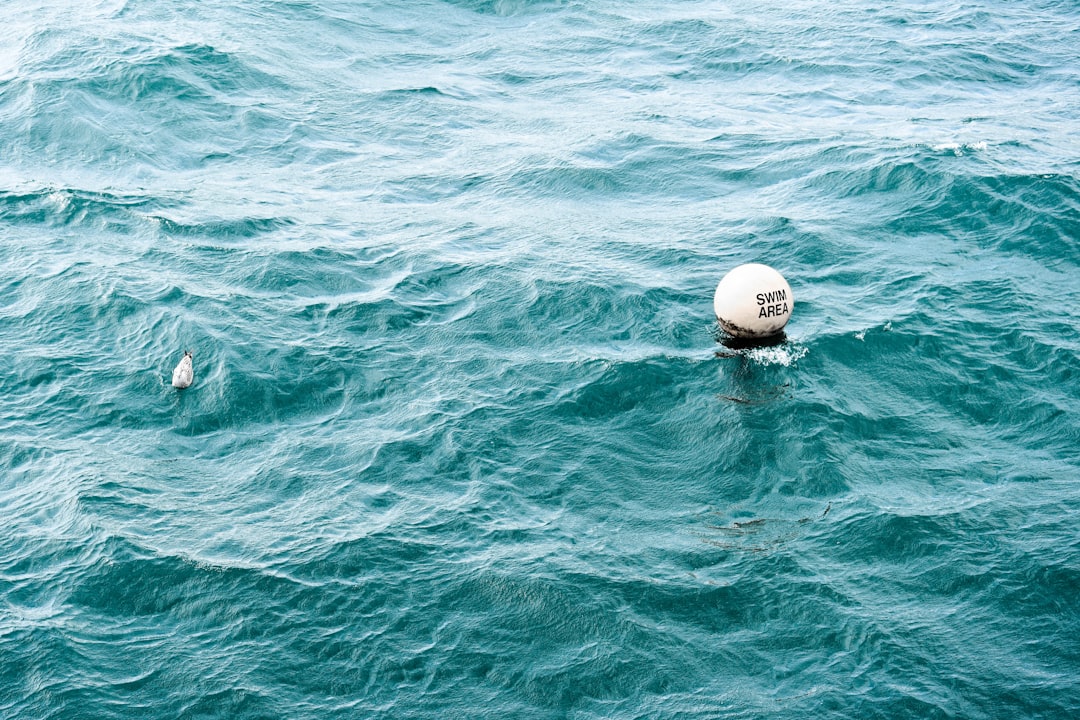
(753, 302)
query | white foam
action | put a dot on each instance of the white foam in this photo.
(786, 354)
(861, 334)
(959, 149)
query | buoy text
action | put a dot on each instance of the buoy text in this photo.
(773, 304)
(771, 297)
(775, 310)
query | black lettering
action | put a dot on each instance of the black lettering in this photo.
(760, 299)
(761, 313)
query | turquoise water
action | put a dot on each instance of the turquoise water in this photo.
(462, 440)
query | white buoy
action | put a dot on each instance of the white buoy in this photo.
(753, 301)
(184, 372)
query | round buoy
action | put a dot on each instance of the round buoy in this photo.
(753, 301)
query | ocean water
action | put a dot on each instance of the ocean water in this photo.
(463, 440)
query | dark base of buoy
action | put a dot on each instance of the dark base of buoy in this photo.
(744, 343)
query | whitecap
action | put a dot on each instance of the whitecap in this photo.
(959, 149)
(785, 355)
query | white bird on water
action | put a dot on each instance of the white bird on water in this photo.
(184, 373)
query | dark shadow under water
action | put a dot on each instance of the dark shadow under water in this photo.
(750, 385)
(735, 344)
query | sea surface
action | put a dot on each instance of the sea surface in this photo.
(465, 439)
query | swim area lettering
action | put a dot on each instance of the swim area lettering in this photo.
(772, 310)
(769, 297)
(775, 308)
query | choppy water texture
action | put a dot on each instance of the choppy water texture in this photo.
(460, 443)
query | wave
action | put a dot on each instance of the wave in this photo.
(62, 206)
(142, 105)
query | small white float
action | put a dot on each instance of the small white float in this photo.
(184, 372)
